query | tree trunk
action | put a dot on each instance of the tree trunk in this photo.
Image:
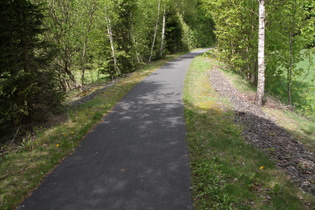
(289, 72)
(155, 30)
(25, 57)
(136, 51)
(111, 40)
(163, 33)
(83, 63)
(261, 55)
(67, 69)
(85, 43)
(292, 57)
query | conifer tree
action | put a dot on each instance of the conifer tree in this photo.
(27, 88)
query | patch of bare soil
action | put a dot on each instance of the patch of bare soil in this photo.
(262, 131)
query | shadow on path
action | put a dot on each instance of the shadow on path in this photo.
(136, 158)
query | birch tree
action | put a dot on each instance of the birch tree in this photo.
(87, 25)
(155, 29)
(282, 34)
(261, 55)
(163, 31)
(28, 87)
(109, 14)
(112, 45)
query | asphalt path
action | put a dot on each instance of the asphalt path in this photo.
(136, 158)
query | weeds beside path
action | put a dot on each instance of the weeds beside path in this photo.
(229, 173)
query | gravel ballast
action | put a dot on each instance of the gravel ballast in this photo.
(263, 132)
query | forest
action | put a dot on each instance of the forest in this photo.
(51, 47)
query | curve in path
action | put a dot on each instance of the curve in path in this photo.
(136, 158)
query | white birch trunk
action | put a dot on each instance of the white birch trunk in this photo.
(83, 63)
(155, 30)
(137, 54)
(163, 33)
(111, 40)
(261, 55)
(85, 44)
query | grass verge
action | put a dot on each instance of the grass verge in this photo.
(301, 127)
(23, 167)
(227, 173)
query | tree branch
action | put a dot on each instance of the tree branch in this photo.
(276, 8)
(240, 6)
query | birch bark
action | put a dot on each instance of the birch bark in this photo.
(83, 63)
(261, 55)
(85, 43)
(163, 33)
(111, 40)
(155, 30)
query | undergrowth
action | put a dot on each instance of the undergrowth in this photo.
(303, 86)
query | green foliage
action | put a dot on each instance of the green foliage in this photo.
(70, 26)
(79, 29)
(289, 30)
(236, 33)
(189, 30)
(309, 8)
(202, 25)
(122, 31)
(99, 37)
(28, 88)
(303, 94)
(175, 34)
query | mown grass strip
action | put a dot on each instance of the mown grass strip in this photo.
(22, 168)
(228, 173)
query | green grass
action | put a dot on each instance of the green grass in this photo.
(299, 126)
(23, 167)
(227, 173)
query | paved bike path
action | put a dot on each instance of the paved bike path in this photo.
(136, 158)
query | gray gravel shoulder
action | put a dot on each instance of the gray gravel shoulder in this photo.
(263, 132)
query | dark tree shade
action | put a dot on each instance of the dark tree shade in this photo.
(27, 88)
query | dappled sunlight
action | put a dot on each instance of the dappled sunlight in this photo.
(206, 105)
(39, 157)
(136, 152)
